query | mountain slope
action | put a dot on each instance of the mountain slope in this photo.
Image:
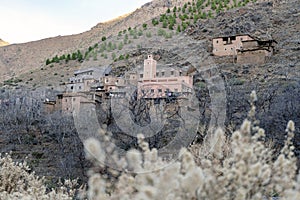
(20, 58)
(276, 82)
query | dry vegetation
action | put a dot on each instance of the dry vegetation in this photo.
(242, 166)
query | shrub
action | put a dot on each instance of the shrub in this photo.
(174, 9)
(168, 35)
(17, 183)
(48, 61)
(140, 33)
(240, 166)
(121, 57)
(120, 46)
(165, 24)
(155, 22)
(148, 35)
(103, 38)
(113, 56)
(145, 26)
(178, 28)
(236, 81)
(161, 32)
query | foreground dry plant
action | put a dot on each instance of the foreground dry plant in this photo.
(17, 183)
(238, 167)
(241, 166)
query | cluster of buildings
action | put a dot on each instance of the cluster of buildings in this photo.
(95, 85)
(245, 49)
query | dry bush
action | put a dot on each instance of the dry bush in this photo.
(17, 183)
(238, 167)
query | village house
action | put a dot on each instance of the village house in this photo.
(244, 48)
(94, 85)
(162, 83)
(228, 46)
(84, 79)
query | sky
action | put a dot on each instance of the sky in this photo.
(30, 20)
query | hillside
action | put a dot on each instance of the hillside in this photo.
(127, 43)
(162, 20)
(17, 59)
(20, 58)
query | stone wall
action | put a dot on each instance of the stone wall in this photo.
(251, 57)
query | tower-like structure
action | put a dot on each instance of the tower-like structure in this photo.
(149, 68)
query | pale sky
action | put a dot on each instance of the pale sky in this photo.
(29, 20)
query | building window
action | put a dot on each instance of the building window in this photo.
(74, 99)
(79, 87)
(163, 73)
(66, 100)
(172, 72)
(91, 73)
(217, 41)
(152, 90)
(141, 75)
(159, 90)
(106, 80)
(71, 87)
(157, 74)
(180, 73)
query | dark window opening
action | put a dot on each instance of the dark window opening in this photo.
(232, 38)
